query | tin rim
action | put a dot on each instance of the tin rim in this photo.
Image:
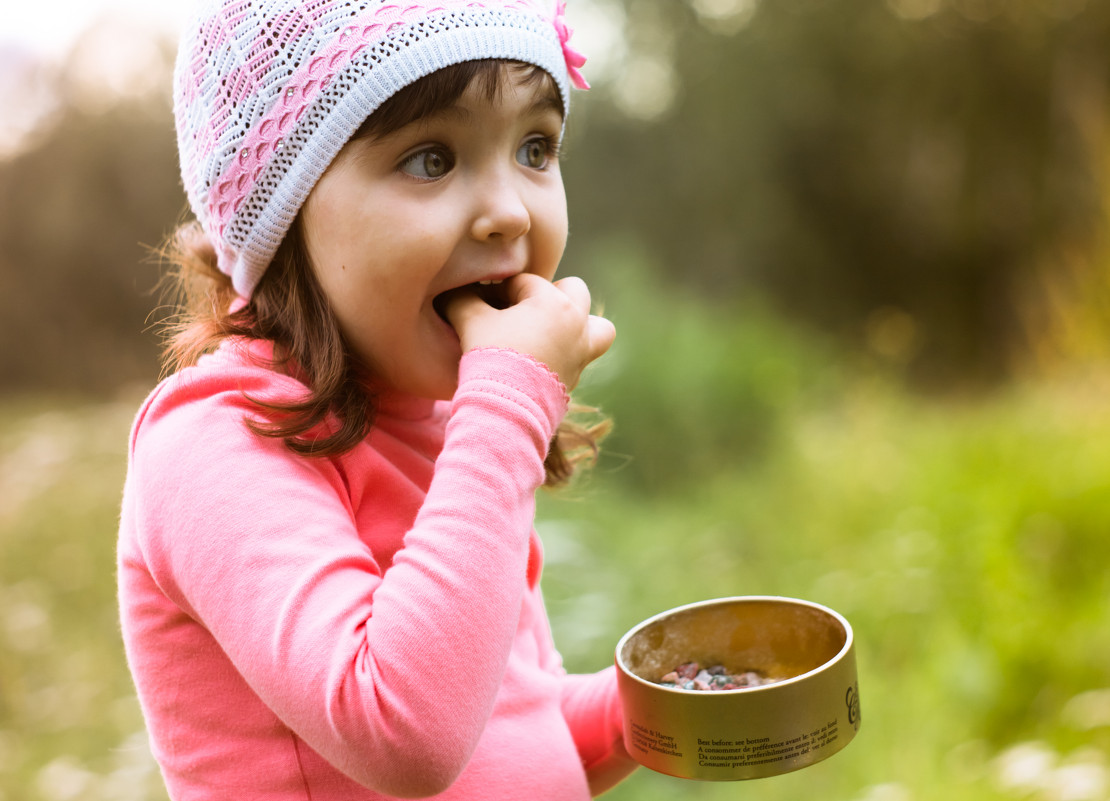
(849, 637)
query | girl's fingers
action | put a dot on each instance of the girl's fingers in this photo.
(461, 304)
(523, 286)
(549, 321)
(575, 289)
(602, 332)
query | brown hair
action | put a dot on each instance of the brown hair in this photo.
(289, 308)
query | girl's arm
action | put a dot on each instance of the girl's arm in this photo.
(592, 710)
(591, 707)
(261, 549)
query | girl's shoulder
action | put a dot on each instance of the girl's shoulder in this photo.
(217, 391)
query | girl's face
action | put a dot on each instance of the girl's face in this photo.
(467, 195)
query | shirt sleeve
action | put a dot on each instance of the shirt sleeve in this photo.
(259, 546)
(592, 709)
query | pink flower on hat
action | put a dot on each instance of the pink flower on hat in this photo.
(573, 57)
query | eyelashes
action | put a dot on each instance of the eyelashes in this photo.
(538, 152)
(435, 161)
(429, 163)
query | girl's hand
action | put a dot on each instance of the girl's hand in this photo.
(549, 321)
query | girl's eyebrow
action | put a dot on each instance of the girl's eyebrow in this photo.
(545, 97)
(548, 101)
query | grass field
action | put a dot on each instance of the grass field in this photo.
(966, 544)
(964, 540)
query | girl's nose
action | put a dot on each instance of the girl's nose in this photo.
(500, 211)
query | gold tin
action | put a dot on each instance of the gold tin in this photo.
(808, 714)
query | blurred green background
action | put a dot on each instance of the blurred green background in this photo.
(857, 254)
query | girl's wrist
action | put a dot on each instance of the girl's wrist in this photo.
(505, 365)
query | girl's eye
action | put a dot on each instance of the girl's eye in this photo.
(536, 153)
(431, 163)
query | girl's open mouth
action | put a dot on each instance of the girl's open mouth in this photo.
(491, 292)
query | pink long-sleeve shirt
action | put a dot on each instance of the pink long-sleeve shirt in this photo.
(359, 627)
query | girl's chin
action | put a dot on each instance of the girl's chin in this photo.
(440, 373)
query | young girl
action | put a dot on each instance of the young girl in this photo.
(328, 575)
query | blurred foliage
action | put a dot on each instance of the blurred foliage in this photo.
(692, 384)
(80, 213)
(792, 209)
(924, 180)
(906, 175)
(70, 725)
(963, 540)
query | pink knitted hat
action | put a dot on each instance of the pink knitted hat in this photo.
(266, 93)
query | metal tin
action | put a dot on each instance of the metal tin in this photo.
(810, 712)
